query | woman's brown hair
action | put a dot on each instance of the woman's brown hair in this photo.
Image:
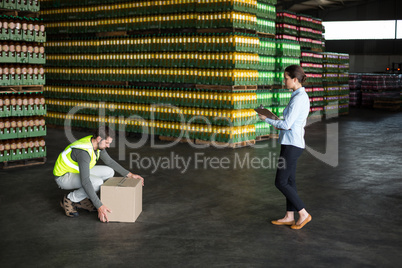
(296, 71)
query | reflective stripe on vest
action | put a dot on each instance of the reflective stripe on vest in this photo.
(65, 163)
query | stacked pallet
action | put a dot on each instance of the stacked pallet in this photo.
(204, 65)
(355, 96)
(307, 32)
(336, 77)
(22, 104)
(373, 90)
(196, 63)
(312, 63)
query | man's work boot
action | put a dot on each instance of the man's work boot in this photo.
(86, 204)
(69, 207)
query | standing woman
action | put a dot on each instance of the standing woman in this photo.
(292, 145)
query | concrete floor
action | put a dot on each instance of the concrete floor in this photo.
(208, 217)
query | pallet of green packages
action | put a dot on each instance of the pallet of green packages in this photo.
(226, 88)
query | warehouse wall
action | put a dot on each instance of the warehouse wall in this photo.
(365, 47)
(364, 10)
(372, 63)
(366, 55)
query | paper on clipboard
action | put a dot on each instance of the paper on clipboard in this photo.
(267, 113)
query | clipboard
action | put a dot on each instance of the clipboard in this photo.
(267, 113)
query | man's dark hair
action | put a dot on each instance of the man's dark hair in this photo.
(104, 132)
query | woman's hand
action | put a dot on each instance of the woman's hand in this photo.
(262, 117)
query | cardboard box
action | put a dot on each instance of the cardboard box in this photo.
(123, 196)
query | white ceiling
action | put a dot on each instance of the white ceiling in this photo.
(303, 5)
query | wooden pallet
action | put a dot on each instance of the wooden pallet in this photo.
(110, 34)
(314, 117)
(274, 136)
(162, 31)
(265, 87)
(113, 83)
(22, 88)
(226, 144)
(19, 13)
(23, 163)
(159, 85)
(225, 30)
(388, 107)
(319, 84)
(280, 87)
(306, 49)
(263, 138)
(225, 88)
(388, 103)
(316, 49)
(166, 85)
(266, 35)
(270, 87)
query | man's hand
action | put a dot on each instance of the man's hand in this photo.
(262, 117)
(134, 176)
(102, 213)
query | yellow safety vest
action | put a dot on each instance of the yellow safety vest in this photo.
(65, 164)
